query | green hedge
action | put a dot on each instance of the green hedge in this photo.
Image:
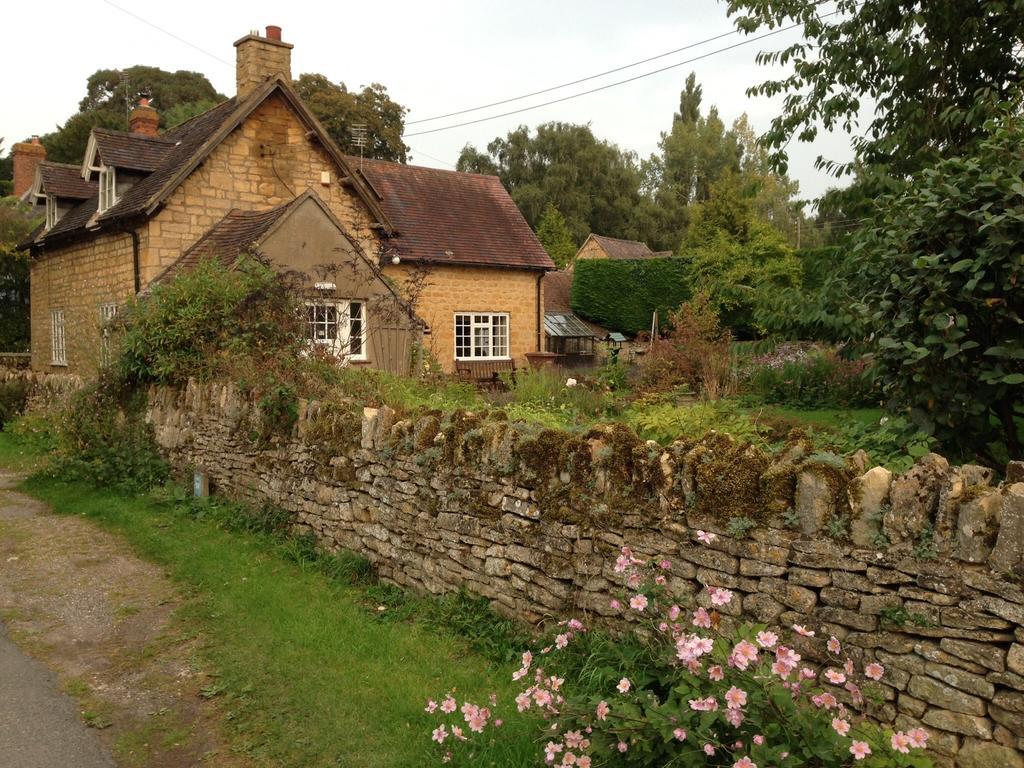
(623, 294)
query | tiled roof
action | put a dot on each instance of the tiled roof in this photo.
(627, 249)
(62, 180)
(228, 238)
(74, 219)
(187, 139)
(447, 217)
(132, 150)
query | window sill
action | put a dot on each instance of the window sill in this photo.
(482, 359)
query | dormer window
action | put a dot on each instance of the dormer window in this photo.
(108, 188)
(51, 211)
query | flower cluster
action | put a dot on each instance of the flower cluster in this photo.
(698, 695)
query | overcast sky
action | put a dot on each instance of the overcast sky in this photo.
(434, 57)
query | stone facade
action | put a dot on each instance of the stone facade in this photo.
(449, 289)
(531, 519)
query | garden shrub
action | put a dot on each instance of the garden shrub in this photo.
(103, 438)
(13, 396)
(624, 294)
(681, 689)
(816, 378)
(213, 320)
(695, 350)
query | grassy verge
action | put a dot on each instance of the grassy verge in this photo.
(307, 676)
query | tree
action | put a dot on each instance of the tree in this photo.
(555, 236)
(594, 184)
(933, 71)
(340, 109)
(6, 172)
(109, 93)
(941, 277)
(16, 223)
(734, 256)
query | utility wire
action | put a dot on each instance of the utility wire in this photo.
(169, 34)
(778, 31)
(576, 82)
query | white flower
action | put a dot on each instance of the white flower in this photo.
(570, 382)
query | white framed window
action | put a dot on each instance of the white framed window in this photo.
(51, 211)
(108, 188)
(107, 314)
(58, 350)
(340, 326)
(481, 335)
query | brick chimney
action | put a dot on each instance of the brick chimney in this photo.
(257, 59)
(144, 119)
(27, 156)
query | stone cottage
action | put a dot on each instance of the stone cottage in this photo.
(601, 247)
(259, 170)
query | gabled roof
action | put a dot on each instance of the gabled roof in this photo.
(187, 145)
(566, 325)
(617, 248)
(133, 151)
(448, 217)
(62, 180)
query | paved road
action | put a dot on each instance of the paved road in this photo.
(39, 726)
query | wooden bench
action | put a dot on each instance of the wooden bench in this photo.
(485, 372)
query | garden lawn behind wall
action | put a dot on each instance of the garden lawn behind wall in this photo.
(308, 672)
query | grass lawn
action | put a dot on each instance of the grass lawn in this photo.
(307, 675)
(825, 417)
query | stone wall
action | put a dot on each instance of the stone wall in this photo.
(531, 519)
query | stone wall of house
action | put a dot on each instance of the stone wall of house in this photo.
(79, 279)
(919, 571)
(449, 289)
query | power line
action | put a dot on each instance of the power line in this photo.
(169, 34)
(436, 159)
(576, 82)
(778, 31)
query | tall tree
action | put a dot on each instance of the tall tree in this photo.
(555, 236)
(16, 223)
(593, 183)
(933, 71)
(340, 109)
(109, 93)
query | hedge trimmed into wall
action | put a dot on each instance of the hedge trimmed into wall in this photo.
(622, 294)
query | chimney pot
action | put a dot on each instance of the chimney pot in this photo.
(144, 119)
(273, 32)
(27, 155)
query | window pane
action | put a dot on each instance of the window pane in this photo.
(500, 336)
(481, 340)
(462, 336)
(355, 328)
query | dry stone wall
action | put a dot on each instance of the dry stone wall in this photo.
(919, 572)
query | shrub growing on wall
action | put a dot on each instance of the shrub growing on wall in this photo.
(624, 294)
(241, 320)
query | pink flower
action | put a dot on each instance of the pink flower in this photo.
(431, 706)
(709, 749)
(660, 580)
(523, 701)
(665, 565)
(440, 734)
(673, 613)
(638, 602)
(624, 685)
(705, 538)
(576, 625)
(744, 652)
(767, 639)
(900, 742)
(800, 629)
(704, 705)
(448, 705)
(621, 564)
(551, 749)
(735, 718)
(701, 618)
(716, 672)
(680, 734)
(573, 739)
(477, 721)
(561, 641)
(615, 604)
(744, 762)
(623, 746)
(834, 677)
(860, 750)
(918, 737)
(602, 710)
(719, 596)
(735, 697)
(840, 726)
(848, 666)
(759, 739)
(834, 645)
(583, 762)
(874, 671)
